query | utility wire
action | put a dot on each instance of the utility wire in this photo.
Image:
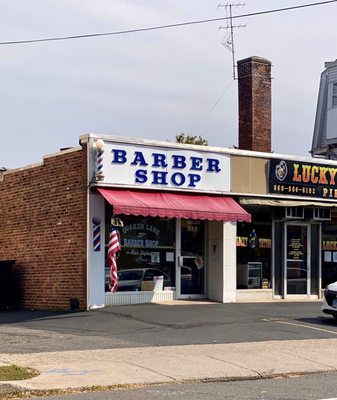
(212, 108)
(166, 26)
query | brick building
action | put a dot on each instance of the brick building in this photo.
(43, 210)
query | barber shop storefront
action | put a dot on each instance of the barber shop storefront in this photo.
(288, 250)
(166, 209)
(196, 222)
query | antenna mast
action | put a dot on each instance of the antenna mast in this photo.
(228, 40)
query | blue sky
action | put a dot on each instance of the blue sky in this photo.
(152, 84)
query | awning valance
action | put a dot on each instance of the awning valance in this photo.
(285, 203)
(174, 205)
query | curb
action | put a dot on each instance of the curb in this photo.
(8, 388)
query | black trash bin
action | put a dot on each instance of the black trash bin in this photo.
(6, 284)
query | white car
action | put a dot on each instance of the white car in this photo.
(131, 279)
(330, 300)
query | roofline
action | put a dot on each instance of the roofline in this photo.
(41, 163)
(209, 149)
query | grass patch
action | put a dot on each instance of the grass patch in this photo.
(16, 373)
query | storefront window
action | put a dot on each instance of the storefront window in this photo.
(254, 249)
(329, 252)
(146, 260)
(192, 274)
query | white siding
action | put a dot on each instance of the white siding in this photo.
(332, 124)
(325, 130)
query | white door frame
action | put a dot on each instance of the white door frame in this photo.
(178, 262)
(308, 226)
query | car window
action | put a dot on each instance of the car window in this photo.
(158, 273)
(151, 273)
(129, 275)
(186, 270)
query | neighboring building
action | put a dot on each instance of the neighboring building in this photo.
(324, 143)
(194, 221)
(43, 220)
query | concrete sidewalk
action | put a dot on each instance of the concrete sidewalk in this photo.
(146, 365)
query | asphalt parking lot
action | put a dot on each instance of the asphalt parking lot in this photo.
(145, 325)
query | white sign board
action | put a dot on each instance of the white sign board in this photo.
(158, 282)
(165, 168)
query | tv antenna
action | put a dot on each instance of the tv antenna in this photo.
(228, 40)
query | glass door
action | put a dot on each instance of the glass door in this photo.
(191, 266)
(297, 266)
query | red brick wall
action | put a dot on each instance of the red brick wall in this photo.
(254, 76)
(43, 211)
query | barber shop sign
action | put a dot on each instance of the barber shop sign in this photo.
(166, 168)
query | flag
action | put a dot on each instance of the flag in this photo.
(113, 248)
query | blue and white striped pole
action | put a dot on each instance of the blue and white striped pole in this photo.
(99, 145)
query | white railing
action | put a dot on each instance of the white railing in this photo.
(124, 298)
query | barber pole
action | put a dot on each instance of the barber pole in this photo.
(99, 159)
(99, 168)
(97, 237)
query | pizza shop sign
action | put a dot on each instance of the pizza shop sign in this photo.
(302, 179)
(165, 168)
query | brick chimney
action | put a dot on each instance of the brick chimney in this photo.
(254, 77)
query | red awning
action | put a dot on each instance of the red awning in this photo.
(174, 205)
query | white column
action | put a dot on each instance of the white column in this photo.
(222, 261)
(96, 259)
(229, 261)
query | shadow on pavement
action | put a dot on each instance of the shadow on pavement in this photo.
(320, 321)
(13, 317)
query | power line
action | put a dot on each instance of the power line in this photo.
(212, 108)
(166, 26)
